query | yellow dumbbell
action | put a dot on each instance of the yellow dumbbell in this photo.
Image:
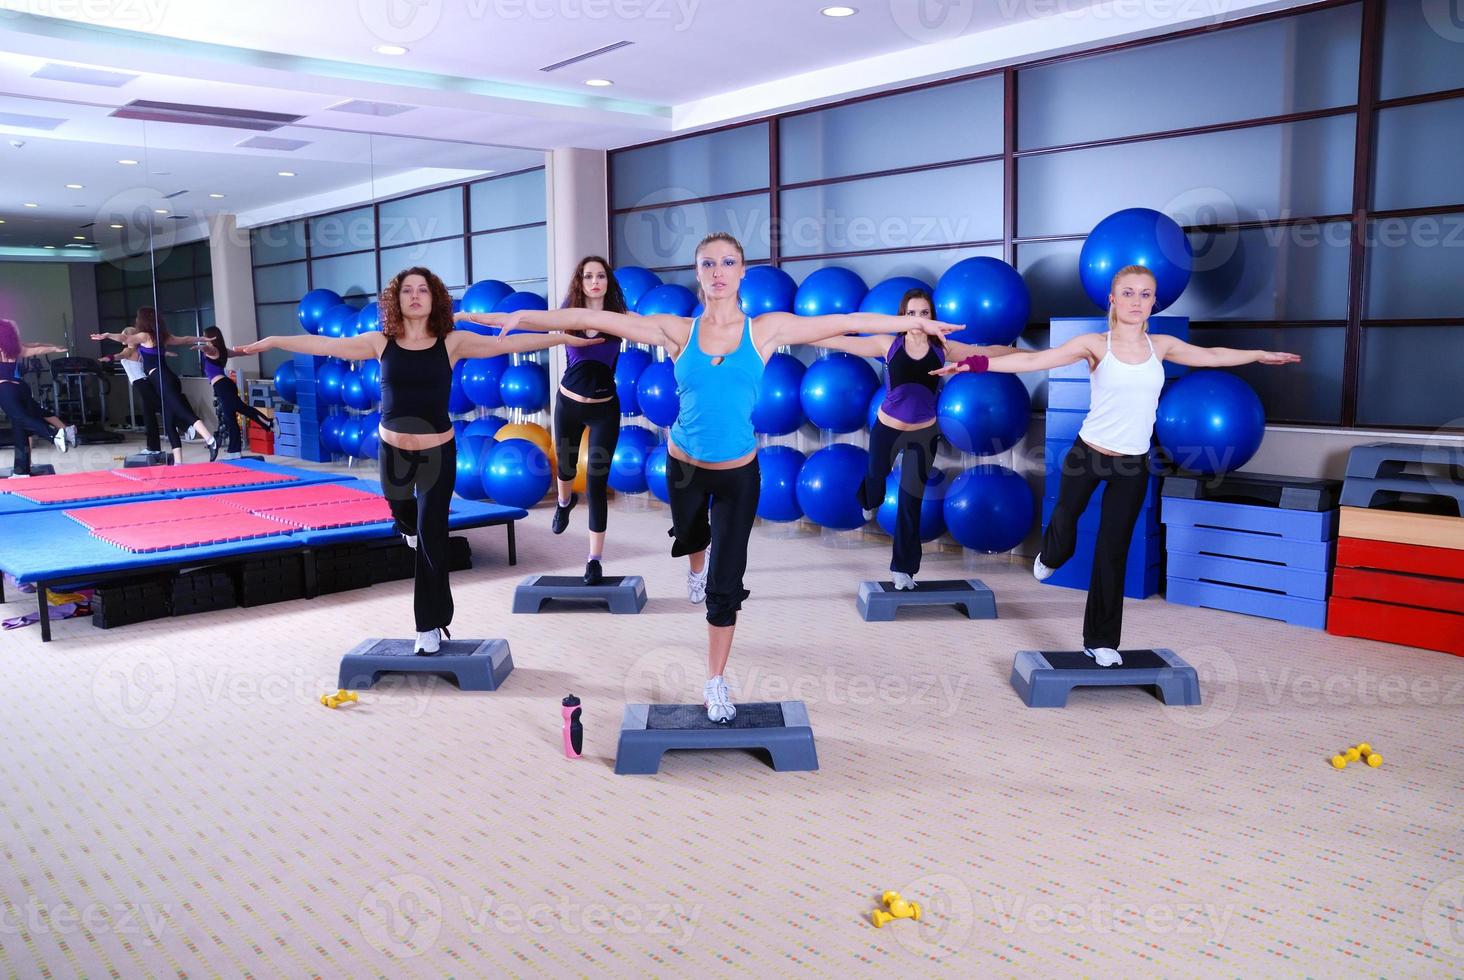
(879, 917)
(338, 698)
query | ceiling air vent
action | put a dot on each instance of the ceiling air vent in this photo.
(22, 121)
(204, 115)
(271, 143)
(362, 107)
(82, 76)
(587, 56)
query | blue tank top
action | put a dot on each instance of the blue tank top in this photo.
(211, 371)
(714, 424)
(8, 370)
(149, 357)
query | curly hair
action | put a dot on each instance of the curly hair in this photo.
(10, 340)
(439, 321)
(575, 297)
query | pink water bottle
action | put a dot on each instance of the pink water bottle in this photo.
(574, 732)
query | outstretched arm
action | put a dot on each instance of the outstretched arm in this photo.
(660, 330)
(174, 340)
(1077, 349)
(117, 338)
(31, 350)
(780, 329)
(462, 344)
(1176, 350)
(957, 351)
(358, 348)
(862, 346)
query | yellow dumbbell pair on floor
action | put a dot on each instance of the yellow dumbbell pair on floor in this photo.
(1362, 751)
(338, 698)
(897, 908)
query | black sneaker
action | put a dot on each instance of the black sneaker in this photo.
(593, 574)
(213, 450)
(561, 514)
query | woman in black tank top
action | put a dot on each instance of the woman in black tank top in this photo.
(417, 347)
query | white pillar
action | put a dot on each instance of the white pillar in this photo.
(233, 287)
(578, 216)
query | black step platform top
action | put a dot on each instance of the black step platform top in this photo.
(575, 582)
(683, 717)
(1265, 489)
(1078, 660)
(935, 585)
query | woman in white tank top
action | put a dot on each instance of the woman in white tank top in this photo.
(1127, 374)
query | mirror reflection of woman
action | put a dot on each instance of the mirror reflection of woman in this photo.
(27, 418)
(215, 356)
(150, 337)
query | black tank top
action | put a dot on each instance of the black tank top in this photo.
(415, 387)
(905, 370)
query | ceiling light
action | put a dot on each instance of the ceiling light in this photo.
(128, 163)
(50, 246)
(79, 238)
(162, 173)
(160, 210)
(2, 221)
(389, 49)
(116, 226)
(73, 187)
(216, 195)
(29, 205)
(839, 11)
(286, 173)
(598, 82)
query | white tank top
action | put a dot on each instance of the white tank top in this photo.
(1125, 398)
(134, 370)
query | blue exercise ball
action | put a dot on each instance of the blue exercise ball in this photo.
(328, 380)
(370, 422)
(516, 473)
(370, 443)
(525, 386)
(984, 414)
(285, 381)
(635, 282)
(458, 401)
(989, 508)
(487, 427)
(371, 379)
(353, 391)
(932, 504)
(368, 318)
(459, 426)
(628, 368)
(828, 485)
(656, 474)
(1210, 422)
(521, 301)
(835, 391)
(656, 392)
(482, 377)
(779, 408)
(484, 295)
(765, 289)
(778, 470)
(628, 465)
(830, 290)
(885, 296)
(471, 451)
(671, 298)
(330, 432)
(313, 306)
(1136, 236)
(351, 436)
(987, 296)
(876, 402)
(339, 321)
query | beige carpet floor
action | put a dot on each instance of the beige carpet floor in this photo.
(174, 800)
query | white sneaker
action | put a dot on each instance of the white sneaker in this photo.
(411, 540)
(59, 441)
(718, 701)
(696, 586)
(1040, 571)
(1105, 656)
(71, 434)
(869, 514)
(429, 642)
(20, 476)
(903, 581)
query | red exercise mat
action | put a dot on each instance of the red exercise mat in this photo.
(89, 478)
(184, 534)
(184, 471)
(66, 495)
(344, 514)
(238, 478)
(149, 512)
(320, 493)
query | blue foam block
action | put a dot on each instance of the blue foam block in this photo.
(1043, 678)
(1315, 555)
(781, 729)
(1302, 583)
(1092, 515)
(1063, 424)
(1299, 524)
(1069, 395)
(1291, 609)
(1139, 581)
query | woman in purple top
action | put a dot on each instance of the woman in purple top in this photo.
(906, 429)
(26, 417)
(587, 400)
(215, 355)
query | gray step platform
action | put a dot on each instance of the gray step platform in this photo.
(780, 727)
(476, 665)
(1385, 459)
(1432, 494)
(1044, 678)
(621, 593)
(139, 460)
(37, 469)
(879, 601)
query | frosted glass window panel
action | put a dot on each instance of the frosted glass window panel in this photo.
(1421, 47)
(443, 258)
(421, 217)
(926, 266)
(202, 259)
(1419, 154)
(140, 296)
(1294, 64)
(669, 236)
(1296, 272)
(1307, 392)
(109, 276)
(175, 263)
(511, 255)
(112, 304)
(178, 295)
(1410, 376)
(505, 202)
(345, 231)
(540, 286)
(700, 166)
(276, 321)
(1414, 266)
(926, 208)
(1300, 168)
(138, 271)
(348, 275)
(1050, 270)
(280, 283)
(278, 242)
(204, 287)
(930, 125)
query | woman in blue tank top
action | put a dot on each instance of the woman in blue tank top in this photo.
(719, 359)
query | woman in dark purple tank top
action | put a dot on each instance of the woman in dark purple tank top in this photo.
(906, 429)
(215, 356)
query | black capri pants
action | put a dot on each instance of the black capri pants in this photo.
(26, 419)
(418, 485)
(603, 420)
(915, 451)
(231, 406)
(717, 508)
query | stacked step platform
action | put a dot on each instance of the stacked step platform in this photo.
(1068, 397)
(1400, 551)
(299, 431)
(1251, 543)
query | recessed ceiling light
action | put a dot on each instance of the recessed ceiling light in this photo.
(128, 163)
(29, 205)
(839, 11)
(216, 195)
(73, 187)
(79, 238)
(598, 82)
(50, 246)
(116, 226)
(286, 173)
(389, 49)
(162, 173)
(160, 210)
(2, 221)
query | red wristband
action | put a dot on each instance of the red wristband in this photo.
(977, 362)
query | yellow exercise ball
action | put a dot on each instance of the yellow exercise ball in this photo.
(531, 431)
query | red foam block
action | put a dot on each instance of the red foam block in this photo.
(1399, 589)
(1427, 629)
(1391, 556)
(184, 534)
(284, 497)
(342, 514)
(149, 512)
